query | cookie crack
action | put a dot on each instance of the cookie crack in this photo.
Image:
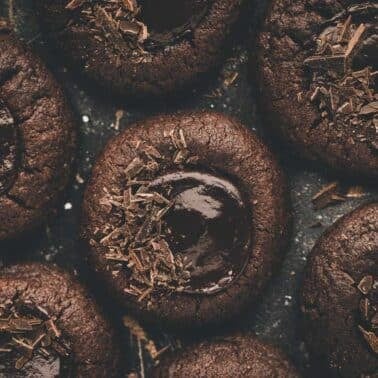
(9, 74)
(20, 202)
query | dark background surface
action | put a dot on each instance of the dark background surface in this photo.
(276, 317)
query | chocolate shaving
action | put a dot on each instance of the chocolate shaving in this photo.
(355, 192)
(371, 108)
(131, 5)
(26, 331)
(371, 338)
(230, 78)
(114, 20)
(345, 96)
(354, 41)
(75, 4)
(119, 21)
(4, 25)
(328, 195)
(334, 193)
(139, 333)
(118, 117)
(366, 284)
(139, 242)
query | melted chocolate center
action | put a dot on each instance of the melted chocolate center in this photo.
(8, 149)
(208, 226)
(168, 20)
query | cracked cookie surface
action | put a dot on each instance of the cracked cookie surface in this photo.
(317, 72)
(340, 296)
(37, 136)
(227, 198)
(233, 356)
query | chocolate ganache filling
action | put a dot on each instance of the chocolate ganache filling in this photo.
(207, 225)
(169, 20)
(8, 149)
(31, 345)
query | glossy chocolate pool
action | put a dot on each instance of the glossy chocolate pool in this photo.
(208, 226)
(168, 20)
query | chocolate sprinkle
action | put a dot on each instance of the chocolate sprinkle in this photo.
(334, 193)
(140, 244)
(327, 196)
(121, 22)
(26, 331)
(344, 72)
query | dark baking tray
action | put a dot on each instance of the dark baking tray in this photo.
(275, 317)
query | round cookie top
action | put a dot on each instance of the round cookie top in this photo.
(49, 326)
(232, 356)
(317, 64)
(183, 226)
(37, 139)
(141, 47)
(340, 295)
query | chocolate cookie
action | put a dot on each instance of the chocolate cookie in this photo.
(139, 47)
(185, 217)
(340, 296)
(37, 139)
(235, 356)
(50, 327)
(317, 70)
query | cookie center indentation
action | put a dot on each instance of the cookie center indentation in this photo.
(171, 16)
(206, 226)
(174, 223)
(8, 149)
